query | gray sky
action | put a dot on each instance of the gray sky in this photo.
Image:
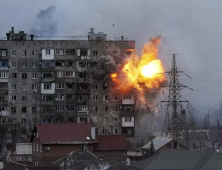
(192, 29)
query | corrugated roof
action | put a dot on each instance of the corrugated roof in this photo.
(65, 133)
(201, 160)
(158, 142)
(111, 142)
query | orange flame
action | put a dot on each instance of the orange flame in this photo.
(138, 71)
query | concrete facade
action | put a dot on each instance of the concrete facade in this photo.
(48, 81)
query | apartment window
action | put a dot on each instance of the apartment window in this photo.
(14, 64)
(115, 131)
(114, 52)
(24, 75)
(47, 75)
(82, 108)
(24, 64)
(94, 98)
(13, 98)
(60, 85)
(115, 98)
(34, 109)
(14, 86)
(47, 97)
(24, 109)
(40, 148)
(127, 97)
(34, 64)
(69, 96)
(82, 64)
(114, 119)
(23, 98)
(23, 53)
(3, 74)
(60, 108)
(105, 108)
(70, 51)
(70, 85)
(59, 51)
(24, 86)
(47, 86)
(33, 146)
(105, 98)
(70, 74)
(14, 75)
(59, 74)
(115, 108)
(70, 63)
(34, 53)
(13, 120)
(34, 87)
(105, 131)
(95, 87)
(83, 119)
(34, 75)
(2, 98)
(95, 53)
(47, 64)
(37, 147)
(69, 107)
(34, 120)
(47, 51)
(13, 52)
(94, 109)
(2, 108)
(34, 98)
(23, 120)
(13, 110)
(60, 96)
(128, 119)
(60, 63)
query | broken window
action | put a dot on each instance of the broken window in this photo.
(34, 109)
(83, 119)
(95, 53)
(70, 74)
(24, 109)
(47, 86)
(127, 108)
(127, 97)
(70, 63)
(95, 87)
(13, 109)
(60, 96)
(48, 108)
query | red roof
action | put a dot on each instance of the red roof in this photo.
(65, 133)
(111, 142)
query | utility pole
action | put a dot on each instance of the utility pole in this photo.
(175, 124)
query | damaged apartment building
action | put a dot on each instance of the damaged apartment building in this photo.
(48, 81)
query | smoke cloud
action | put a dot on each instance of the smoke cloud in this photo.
(45, 23)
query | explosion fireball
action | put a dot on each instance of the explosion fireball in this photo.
(141, 73)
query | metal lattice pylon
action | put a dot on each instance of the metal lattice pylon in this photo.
(175, 124)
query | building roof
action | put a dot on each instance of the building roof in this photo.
(111, 142)
(13, 165)
(65, 133)
(83, 160)
(187, 160)
(158, 142)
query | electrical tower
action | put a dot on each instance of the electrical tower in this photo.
(175, 124)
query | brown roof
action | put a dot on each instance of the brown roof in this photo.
(111, 142)
(65, 133)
